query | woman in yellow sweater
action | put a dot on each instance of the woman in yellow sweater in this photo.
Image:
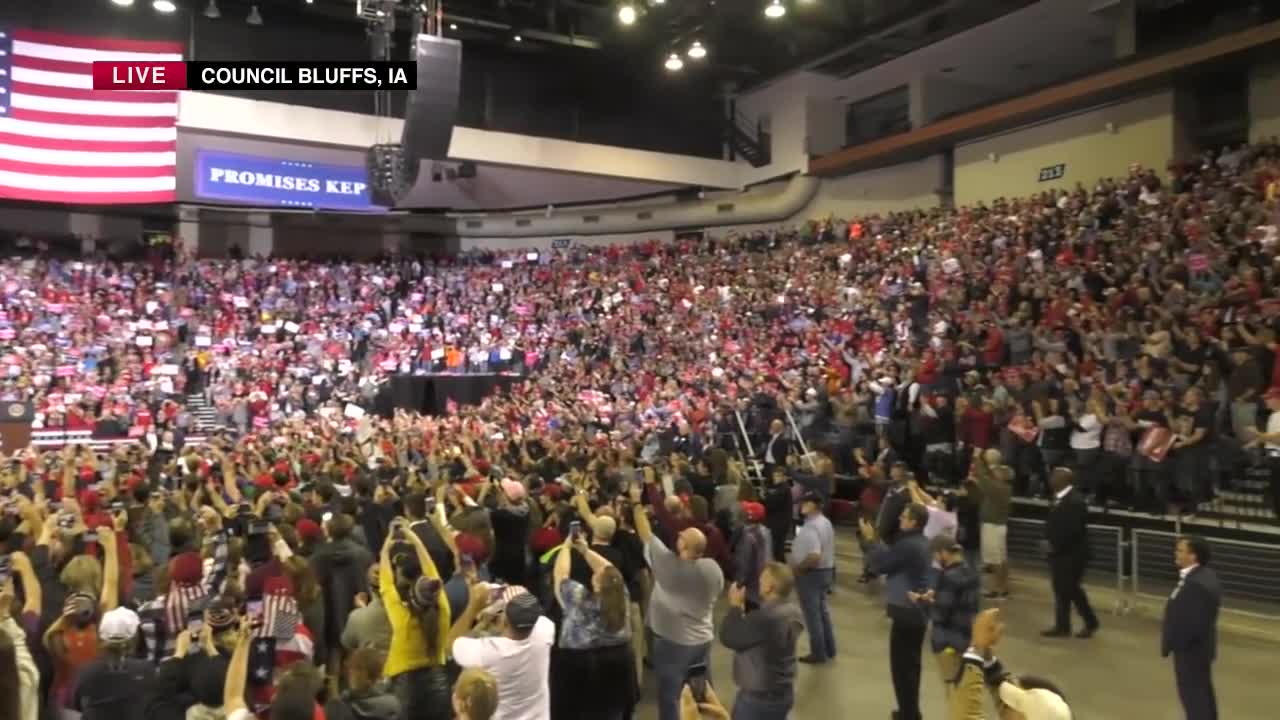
(418, 611)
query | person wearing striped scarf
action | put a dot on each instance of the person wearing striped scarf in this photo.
(190, 589)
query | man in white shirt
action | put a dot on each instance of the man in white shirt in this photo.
(519, 659)
(1086, 445)
(1269, 441)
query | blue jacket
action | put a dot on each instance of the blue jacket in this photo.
(906, 563)
(955, 605)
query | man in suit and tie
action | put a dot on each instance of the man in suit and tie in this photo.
(1190, 631)
(1066, 531)
(776, 448)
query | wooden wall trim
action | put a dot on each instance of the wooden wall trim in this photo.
(1058, 97)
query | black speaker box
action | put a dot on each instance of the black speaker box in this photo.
(433, 107)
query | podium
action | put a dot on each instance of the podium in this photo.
(15, 426)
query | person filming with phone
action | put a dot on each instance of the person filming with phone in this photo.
(685, 588)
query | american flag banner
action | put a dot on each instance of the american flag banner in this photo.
(280, 615)
(182, 600)
(61, 141)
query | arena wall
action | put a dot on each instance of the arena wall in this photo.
(1088, 145)
(1264, 101)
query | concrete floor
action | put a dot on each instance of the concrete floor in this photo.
(1117, 674)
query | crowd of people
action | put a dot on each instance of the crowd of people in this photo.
(687, 409)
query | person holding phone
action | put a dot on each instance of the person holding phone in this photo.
(418, 611)
(594, 670)
(764, 643)
(686, 586)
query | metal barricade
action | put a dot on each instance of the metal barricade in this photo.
(1106, 559)
(1249, 571)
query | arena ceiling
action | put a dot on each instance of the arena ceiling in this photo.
(745, 47)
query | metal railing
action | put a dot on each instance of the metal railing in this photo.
(804, 447)
(1106, 559)
(1249, 571)
(751, 452)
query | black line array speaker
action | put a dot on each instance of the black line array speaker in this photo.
(433, 107)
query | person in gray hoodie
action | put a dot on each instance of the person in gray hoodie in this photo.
(764, 644)
(905, 562)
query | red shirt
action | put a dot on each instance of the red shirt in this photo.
(977, 427)
(993, 350)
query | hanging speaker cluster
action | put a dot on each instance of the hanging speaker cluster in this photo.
(391, 174)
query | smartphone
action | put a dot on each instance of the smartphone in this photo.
(6, 570)
(259, 527)
(91, 536)
(696, 679)
(468, 564)
(430, 505)
(575, 529)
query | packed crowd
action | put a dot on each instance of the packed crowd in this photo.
(1122, 334)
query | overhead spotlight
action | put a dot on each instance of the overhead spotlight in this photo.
(518, 38)
(211, 11)
(697, 51)
(164, 6)
(627, 14)
(453, 26)
(123, 3)
(659, 2)
(775, 10)
(255, 17)
(674, 62)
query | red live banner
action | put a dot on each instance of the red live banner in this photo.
(251, 75)
(134, 75)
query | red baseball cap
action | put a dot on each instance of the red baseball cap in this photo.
(753, 510)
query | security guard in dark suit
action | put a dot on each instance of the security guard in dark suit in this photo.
(1066, 531)
(1190, 630)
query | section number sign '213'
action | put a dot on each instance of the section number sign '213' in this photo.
(277, 182)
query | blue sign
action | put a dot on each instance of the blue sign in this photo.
(284, 183)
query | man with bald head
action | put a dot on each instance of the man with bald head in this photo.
(685, 588)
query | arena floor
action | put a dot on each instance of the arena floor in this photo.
(1118, 674)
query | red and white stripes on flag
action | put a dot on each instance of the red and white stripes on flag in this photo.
(280, 615)
(62, 141)
(181, 599)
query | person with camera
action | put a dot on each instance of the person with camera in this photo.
(593, 670)
(19, 674)
(111, 686)
(519, 658)
(763, 641)
(686, 586)
(418, 611)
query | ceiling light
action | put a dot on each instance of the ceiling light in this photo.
(123, 3)
(674, 62)
(697, 51)
(212, 12)
(164, 6)
(627, 14)
(775, 10)
(255, 17)
(518, 38)
(453, 26)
